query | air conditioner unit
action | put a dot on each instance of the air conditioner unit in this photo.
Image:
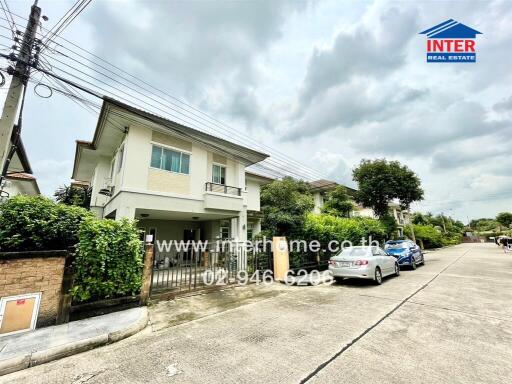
(105, 192)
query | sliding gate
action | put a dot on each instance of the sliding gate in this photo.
(181, 272)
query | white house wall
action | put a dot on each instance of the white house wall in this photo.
(252, 195)
(13, 188)
(138, 186)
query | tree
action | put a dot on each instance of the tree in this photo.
(420, 218)
(380, 182)
(284, 204)
(74, 195)
(504, 218)
(338, 202)
(484, 225)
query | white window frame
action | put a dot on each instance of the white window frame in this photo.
(221, 166)
(250, 227)
(227, 226)
(180, 151)
(35, 313)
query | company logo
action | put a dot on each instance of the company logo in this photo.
(451, 42)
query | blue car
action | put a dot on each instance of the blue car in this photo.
(407, 253)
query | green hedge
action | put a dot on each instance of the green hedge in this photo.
(109, 260)
(430, 236)
(109, 254)
(326, 228)
(36, 223)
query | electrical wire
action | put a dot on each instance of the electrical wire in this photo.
(232, 131)
(71, 15)
(309, 175)
(275, 166)
(51, 31)
(7, 14)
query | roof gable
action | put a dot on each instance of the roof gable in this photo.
(245, 154)
(450, 29)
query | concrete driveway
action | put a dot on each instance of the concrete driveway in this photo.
(447, 322)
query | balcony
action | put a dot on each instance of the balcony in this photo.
(223, 197)
(225, 189)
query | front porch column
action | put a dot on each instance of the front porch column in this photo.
(239, 227)
(234, 228)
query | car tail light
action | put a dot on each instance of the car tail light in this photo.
(332, 262)
(361, 262)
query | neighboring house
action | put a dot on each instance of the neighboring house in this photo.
(19, 179)
(180, 183)
(402, 217)
(319, 188)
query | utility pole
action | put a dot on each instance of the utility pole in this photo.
(16, 88)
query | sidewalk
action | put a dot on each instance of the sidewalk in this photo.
(24, 350)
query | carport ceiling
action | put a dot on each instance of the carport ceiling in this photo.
(180, 216)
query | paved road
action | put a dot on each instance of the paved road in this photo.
(447, 322)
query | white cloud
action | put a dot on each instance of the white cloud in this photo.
(339, 80)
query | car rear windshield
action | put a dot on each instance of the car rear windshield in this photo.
(354, 252)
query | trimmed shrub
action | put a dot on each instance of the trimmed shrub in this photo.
(36, 223)
(326, 228)
(428, 234)
(109, 260)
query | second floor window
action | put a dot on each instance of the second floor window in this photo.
(219, 174)
(170, 160)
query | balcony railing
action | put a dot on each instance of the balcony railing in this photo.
(221, 188)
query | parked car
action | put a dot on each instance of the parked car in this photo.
(406, 252)
(364, 262)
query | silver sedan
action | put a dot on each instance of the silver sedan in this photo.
(364, 262)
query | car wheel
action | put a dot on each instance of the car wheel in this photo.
(378, 276)
(413, 263)
(397, 270)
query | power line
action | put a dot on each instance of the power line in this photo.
(215, 121)
(311, 174)
(56, 25)
(183, 134)
(201, 120)
(8, 14)
(65, 21)
(280, 174)
(274, 165)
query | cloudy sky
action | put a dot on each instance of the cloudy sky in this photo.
(325, 82)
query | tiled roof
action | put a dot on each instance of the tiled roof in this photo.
(20, 176)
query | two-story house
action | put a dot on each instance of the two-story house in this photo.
(178, 182)
(319, 188)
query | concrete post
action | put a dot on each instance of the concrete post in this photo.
(281, 258)
(147, 273)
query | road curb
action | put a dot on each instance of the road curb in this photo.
(130, 330)
(45, 356)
